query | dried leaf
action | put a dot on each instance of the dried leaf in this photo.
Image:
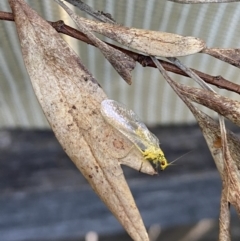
(71, 99)
(230, 169)
(230, 189)
(231, 56)
(211, 132)
(149, 42)
(101, 16)
(121, 62)
(224, 218)
(226, 107)
(209, 127)
(224, 148)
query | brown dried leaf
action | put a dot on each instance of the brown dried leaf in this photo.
(230, 169)
(149, 42)
(225, 150)
(120, 61)
(230, 189)
(211, 131)
(231, 56)
(225, 158)
(224, 147)
(212, 135)
(224, 218)
(209, 127)
(71, 99)
(226, 107)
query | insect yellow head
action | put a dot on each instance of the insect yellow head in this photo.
(163, 164)
(156, 157)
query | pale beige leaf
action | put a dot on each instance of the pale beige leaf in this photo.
(223, 105)
(121, 62)
(71, 99)
(149, 42)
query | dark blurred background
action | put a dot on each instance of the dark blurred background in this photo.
(44, 197)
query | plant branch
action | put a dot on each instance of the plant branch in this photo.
(144, 60)
(101, 16)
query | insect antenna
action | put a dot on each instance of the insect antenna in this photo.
(171, 163)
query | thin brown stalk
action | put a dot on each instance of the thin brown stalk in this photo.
(145, 61)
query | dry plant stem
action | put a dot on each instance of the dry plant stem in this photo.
(106, 18)
(225, 106)
(144, 60)
(209, 127)
(224, 218)
(121, 62)
(146, 41)
(212, 135)
(165, 75)
(201, 83)
(191, 74)
(227, 167)
(231, 176)
(224, 213)
(231, 56)
(172, 83)
(218, 81)
(227, 55)
(231, 181)
(211, 132)
(230, 189)
(198, 80)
